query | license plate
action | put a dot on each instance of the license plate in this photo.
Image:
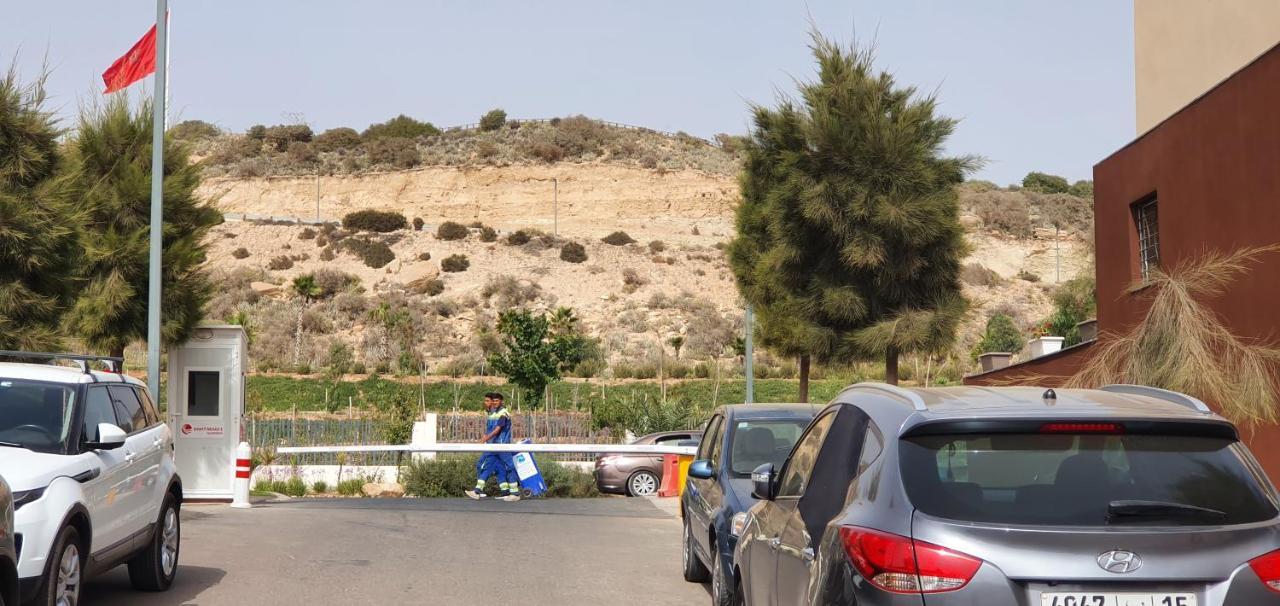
(1064, 598)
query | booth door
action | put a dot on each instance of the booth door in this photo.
(203, 432)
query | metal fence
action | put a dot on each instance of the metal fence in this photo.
(272, 434)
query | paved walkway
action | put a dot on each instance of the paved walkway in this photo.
(429, 551)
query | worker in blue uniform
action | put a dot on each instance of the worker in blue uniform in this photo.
(500, 464)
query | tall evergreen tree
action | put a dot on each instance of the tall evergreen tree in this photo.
(112, 153)
(37, 237)
(849, 240)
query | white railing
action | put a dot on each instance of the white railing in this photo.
(477, 447)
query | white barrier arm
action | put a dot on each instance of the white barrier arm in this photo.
(477, 447)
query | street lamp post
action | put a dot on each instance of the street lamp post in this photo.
(157, 199)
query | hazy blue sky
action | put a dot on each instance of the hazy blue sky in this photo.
(1038, 84)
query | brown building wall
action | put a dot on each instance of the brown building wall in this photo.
(1047, 371)
(1214, 168)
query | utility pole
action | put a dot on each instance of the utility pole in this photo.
(555, 203)
(1057, 250)
(747, 367)
(157, 199)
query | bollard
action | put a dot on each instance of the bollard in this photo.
(241, 498)
(670, 476)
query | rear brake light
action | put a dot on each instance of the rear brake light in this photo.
(901, 565)
(1082, 428)
(1267, 568)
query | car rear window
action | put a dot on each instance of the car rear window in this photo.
(1084, 480)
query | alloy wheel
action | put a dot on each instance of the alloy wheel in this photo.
(68, 593)
(169, 542)
(644, 484)
(717, 578)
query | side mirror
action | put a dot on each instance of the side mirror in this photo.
(700, 469)
(762, 482)
(110, 437)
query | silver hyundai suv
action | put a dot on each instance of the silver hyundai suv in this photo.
(1123, 496)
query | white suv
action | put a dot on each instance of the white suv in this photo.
(91, 466)
(8, 552)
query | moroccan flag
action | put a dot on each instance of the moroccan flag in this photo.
(135, 65)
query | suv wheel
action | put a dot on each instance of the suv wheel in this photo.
(722, 593)
(694, 570)
(155, 567)
(66, 571)
(642, 484)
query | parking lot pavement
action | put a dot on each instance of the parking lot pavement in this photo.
(428, 551)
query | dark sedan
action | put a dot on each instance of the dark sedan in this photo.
(638, 475)
(738, 439)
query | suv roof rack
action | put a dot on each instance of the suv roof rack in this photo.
(909, 396)
(114, 364)
(1160, 394)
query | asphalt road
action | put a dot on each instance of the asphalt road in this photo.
(430, 551)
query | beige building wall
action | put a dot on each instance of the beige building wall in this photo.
(1182, 48)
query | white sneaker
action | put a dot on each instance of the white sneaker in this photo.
(476, 495)
(511, 498)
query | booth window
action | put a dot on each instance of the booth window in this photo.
(202, 393)
(1145, 218)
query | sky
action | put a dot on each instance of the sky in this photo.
(1036, 84)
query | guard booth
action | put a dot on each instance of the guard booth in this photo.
(206, 403)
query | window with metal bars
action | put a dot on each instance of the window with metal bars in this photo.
(1146, 219)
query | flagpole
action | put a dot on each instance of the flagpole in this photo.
(168, 52)
(157, 199)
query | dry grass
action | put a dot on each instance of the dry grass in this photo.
(1183, 346)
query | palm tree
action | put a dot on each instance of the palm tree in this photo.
(676, 343)
(563, 321)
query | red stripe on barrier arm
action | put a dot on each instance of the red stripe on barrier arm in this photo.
(242, 474)
(242, 462)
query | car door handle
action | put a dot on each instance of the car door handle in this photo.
(128, 457)
(807, 554)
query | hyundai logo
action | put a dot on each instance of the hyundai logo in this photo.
(1120, 561)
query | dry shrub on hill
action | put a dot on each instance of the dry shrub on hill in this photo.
(977, 274)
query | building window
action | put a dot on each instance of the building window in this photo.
(1145, 217)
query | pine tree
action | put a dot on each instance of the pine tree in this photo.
(112, 153)
(37, 237)
(849, 241)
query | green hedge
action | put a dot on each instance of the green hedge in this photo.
(282, 393)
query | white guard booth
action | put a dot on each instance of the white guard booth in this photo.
(206, 402)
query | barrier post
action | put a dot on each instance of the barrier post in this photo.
(684, 462)
(240, 499)
(425, 433)
(670, 476)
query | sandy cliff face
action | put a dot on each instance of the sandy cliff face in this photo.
(593, 198)
(690, 212)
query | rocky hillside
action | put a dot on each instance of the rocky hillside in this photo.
(674, 196)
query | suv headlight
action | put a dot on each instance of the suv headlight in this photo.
(738, 523)
(26, 496)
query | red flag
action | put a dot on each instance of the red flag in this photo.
(135, 65)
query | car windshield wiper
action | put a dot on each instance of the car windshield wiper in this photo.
(11, 444)
(1159, 509)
